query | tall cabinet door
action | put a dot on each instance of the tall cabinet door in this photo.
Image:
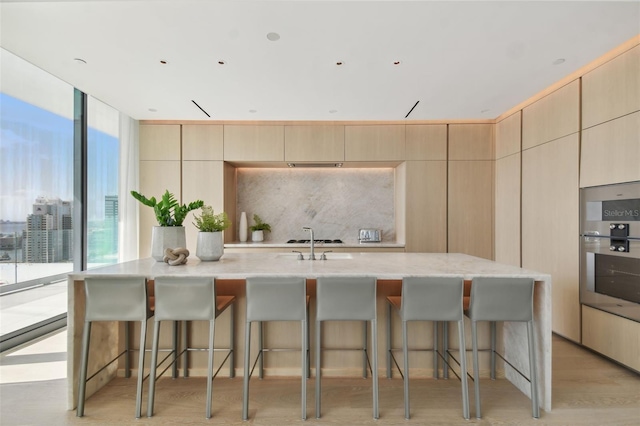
(507, 195)
(550, 205)
(470, 191)
(159, 171)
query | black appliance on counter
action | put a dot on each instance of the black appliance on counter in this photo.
(610, 249)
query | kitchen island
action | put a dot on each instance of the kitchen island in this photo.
(389, 268)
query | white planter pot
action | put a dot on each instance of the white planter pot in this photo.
(257, 236)
(210, 246)
(163, 237)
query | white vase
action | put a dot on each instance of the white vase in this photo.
(164, 237)
(210, 246)
(242, 227)
(257, 236)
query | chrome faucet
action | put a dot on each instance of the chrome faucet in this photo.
(312, 255)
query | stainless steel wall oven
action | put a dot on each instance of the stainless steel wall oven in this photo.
(610, 248)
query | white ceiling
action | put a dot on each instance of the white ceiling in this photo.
(460, 60)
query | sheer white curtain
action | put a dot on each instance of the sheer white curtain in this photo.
(129, 177)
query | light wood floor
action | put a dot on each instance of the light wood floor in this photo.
(587, 390)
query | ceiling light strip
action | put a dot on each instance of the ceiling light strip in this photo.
(196, 104)
(411, 109)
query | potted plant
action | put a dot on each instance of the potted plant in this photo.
(210, 245)
(170, 214)
(259, 228)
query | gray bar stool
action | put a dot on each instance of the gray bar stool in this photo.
(275, 299)
(503, 299)
(433, 299)
(111, 298)
(347, 299)
(187, 299)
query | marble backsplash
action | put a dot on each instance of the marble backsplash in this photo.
(334, 202)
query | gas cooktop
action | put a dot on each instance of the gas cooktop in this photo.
(315, 241)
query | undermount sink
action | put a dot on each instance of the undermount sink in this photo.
(330, 256)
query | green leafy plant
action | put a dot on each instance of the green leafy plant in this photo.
(259, 225)
(168, 211)
(210, 222)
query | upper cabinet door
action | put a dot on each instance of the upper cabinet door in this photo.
(471, 142)
(612, 90)
(426, 142)
(314, 143)
(159, 142)
(202, 142)
(375, 143)
(552, 117)
(253, 143)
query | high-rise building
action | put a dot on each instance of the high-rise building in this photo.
(49, 232)
(111, 221)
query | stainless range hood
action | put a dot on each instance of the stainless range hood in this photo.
(314, 165)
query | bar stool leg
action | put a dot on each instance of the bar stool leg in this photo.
(493, 349)
(374, 367)
(476, 369)
(185, 345)
(82, 386)
(463, 370)
(388, 348)
(212, 330)
(365, 344)
(435, 349)
(445, 343)
(318, 371)
(127, 348)
(261, 350)
(154, 364)
(143, 341)
(247, 372)
(305, 366)
(232, 341)
(405, 355)
(533, 370)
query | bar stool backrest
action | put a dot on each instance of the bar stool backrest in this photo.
(432, 299)
(501, 299)
(185, 298)
(346, 298)
(276, 298)
(121, 298)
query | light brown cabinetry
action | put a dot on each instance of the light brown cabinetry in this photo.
(314, 143)
(159, 171)
(612, 90)
(374, 143)
(611, 335)
(550, 225)
(426, 206)
(552, 117)
(202, 142)
(470, 189)
(611, 152)
(426, 142)
(508, 190)
(253, 143)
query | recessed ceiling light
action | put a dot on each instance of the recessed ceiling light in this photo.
(558, 61)
(152, 110)
(273, 36)
(484, 110)
(80, 61)
(163, 62)
(339, 63)
(221, 62)
(253, 111)
(333, 111)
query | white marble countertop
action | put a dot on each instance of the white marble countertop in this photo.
(319, 246)
(380, 265)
